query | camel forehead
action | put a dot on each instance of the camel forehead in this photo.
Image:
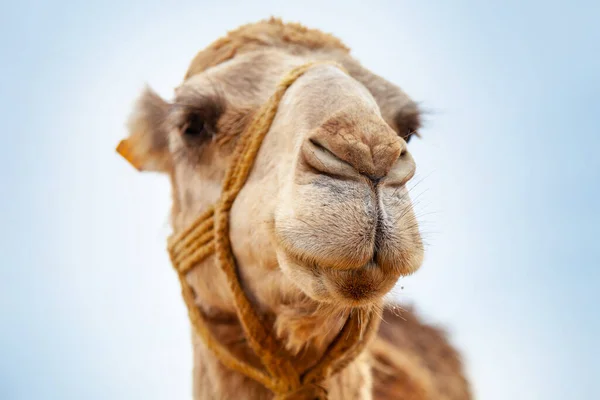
(272, 33)
(248, 78)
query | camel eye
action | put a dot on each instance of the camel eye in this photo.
(195, 128)
(196, 117)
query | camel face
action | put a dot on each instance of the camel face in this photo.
(326, 202)
(325, 212)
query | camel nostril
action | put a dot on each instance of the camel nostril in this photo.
(322, 160)
(317, 144)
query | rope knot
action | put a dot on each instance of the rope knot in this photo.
(310, 391)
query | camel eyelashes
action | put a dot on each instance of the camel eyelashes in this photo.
(197, 119)
(196, 114)
(408, 121)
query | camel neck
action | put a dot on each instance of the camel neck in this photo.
(212, 379)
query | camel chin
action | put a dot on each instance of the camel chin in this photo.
(341, 288)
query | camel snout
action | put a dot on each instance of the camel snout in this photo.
(374, 153)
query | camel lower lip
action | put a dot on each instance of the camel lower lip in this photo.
(353, 287)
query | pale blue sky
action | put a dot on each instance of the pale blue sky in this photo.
(509, 162)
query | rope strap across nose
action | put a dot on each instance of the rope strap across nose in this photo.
(209, 234)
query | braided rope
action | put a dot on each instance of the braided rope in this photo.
(209, 234)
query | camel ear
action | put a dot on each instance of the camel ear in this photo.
(147, 148)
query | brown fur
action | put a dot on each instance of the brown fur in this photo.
(299, 229)
(415, 361)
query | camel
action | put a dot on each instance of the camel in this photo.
(322, 227)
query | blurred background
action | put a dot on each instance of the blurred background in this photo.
(508, 166)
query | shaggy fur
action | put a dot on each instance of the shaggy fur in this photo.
(294, 38)
(415, 361)
(307, 229)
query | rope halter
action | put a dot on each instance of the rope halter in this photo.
(209, 234)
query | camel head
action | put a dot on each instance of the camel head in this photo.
(325, 215)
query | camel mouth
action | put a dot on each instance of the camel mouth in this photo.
(351, 258)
